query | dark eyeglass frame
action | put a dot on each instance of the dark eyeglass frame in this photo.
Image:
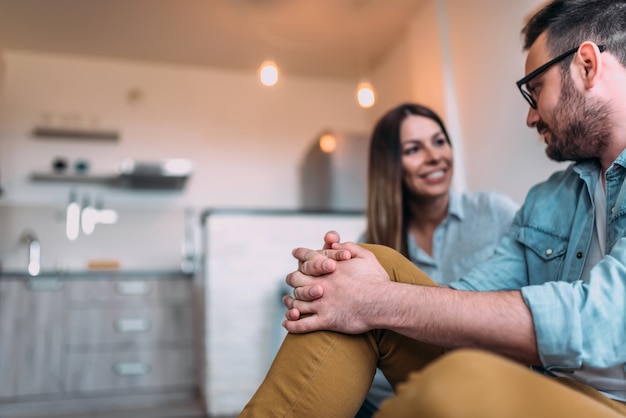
(522, 84)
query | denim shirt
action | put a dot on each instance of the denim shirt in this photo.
(579, 321)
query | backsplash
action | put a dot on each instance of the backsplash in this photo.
(141, 239)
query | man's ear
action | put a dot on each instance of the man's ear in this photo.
(587, 63)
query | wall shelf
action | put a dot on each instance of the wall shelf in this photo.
(73, 178)
(127, 181)
(72, 133)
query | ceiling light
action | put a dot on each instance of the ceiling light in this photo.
(365, 95)
(268, 73)
(328, 143)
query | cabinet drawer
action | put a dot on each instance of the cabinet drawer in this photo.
(134, 327)
(124, 291)
(118, 370)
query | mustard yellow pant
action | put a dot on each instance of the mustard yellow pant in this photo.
(328, 374)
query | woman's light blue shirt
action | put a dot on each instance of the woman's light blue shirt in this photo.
(469, 234)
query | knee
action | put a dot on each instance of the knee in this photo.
(382, 251)
(398, 267)
(388, 257)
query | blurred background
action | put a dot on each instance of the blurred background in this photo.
(137, 142)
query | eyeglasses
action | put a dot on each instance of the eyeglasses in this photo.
(523, 83)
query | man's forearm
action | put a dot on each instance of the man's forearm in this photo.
(496, 321)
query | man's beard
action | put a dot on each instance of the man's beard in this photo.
(581, 129)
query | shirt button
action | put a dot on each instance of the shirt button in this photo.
(549, 251)
(579, 255)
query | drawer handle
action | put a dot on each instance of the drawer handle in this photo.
(133, 288)
(132, 325)
(131, 369)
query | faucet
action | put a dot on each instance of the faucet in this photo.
(34, 252)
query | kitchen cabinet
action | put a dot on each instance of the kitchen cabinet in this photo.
(86, 339)
(31, 340)
(128, 334)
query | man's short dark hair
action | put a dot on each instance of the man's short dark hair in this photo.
(569, 23)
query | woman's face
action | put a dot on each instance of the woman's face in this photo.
(426, 157)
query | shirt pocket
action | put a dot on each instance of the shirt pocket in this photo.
(545, 253)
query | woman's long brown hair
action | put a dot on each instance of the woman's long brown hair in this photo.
(387, 209)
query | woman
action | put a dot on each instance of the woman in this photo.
(412, 209)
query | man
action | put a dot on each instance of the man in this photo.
(553, 296)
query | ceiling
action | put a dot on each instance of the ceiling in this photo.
(321, 38)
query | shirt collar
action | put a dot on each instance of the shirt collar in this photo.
(587, 167)
(592, 165)
(621, 158)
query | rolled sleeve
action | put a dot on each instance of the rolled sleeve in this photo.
(582, 323)
(557, 323)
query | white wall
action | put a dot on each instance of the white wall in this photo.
(501, 152)
(413, 69)
(245, 140)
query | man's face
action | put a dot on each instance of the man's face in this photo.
(580, 127)
(573, 126)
